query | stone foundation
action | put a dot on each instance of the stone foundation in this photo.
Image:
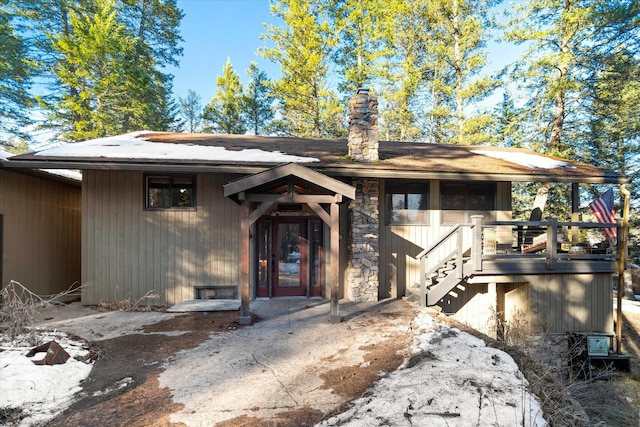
(364, 252)
(550, 349)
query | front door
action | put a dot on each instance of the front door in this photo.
(289, 252)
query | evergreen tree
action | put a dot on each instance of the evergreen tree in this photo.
(16, 69)
(433, 77)
(453, 53)
(258, 100)
(613, 136)
(303, 48)
(93, 91)
(191, 111)
(97, 62)
(508, 125)
(154, 24)
(224, 114)
(364, 30)
(566, 42)
(553, 30)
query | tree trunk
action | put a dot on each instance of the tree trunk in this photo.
(458, 70)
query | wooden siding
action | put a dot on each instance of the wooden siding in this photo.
(400, 244)
(572, 302)
(130, 251)
(546, 303)
(41, 232)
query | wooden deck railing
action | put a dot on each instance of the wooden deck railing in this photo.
(484, 255)
(556, 241)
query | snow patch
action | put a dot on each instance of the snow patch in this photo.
(533, 161)
(42, 391)
(452, 378)
(133, 146)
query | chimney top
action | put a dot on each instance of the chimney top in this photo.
(363, 127)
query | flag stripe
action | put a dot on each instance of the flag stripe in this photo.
(604, 212)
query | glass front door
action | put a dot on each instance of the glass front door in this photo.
(289, 252)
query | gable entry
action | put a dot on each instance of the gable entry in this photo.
(288, 184)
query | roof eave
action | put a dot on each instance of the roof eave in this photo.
(252, 168)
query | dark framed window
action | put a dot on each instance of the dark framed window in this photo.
(459, 201)
(169, 192)
(407, 203)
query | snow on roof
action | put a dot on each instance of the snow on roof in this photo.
(132, 146)
(524, 159)
(4, 155)
(64, 173)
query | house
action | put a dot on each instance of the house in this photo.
(39, 228)
(239, 216)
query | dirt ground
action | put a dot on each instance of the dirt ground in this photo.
(139, 357)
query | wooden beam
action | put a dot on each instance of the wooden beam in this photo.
(334, 317)
(291, 198)
(288, 171)
(324, 216)
(255, 215)
(245, 315)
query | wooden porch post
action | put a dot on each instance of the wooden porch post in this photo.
(575, 212)
(245, 315)
(335, 317)
(622, 254)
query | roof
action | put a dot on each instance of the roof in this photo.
(153, 151)
(63, 175)
(292, 174)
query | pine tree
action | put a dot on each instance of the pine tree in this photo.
(191, 110)
(612, 139)
(550, 68)
(364, 29)
(16, 70)
(508, 129)
(92, 91)
(258, 100)
(303, 47)
(224, 113)
(98, 54)
(453, 53)
(155, 26)
(566, 42)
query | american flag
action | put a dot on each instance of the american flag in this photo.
(603, 210)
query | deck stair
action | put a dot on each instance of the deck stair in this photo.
(444, 276)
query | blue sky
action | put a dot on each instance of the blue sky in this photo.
(214, 30)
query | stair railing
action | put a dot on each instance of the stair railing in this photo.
(458, 253)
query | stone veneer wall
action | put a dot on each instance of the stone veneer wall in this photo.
(364, 235)
(363, 127)
(550, 349)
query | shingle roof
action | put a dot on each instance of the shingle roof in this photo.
(397, 159)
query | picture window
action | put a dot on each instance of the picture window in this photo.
(407, 203)
(169, 192)
(459, 201)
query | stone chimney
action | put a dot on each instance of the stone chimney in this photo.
(363, 127)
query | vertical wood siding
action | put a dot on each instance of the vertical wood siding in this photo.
(572, 302)
(130, 251)
(546, 303)
(41, 233)
(400, 244)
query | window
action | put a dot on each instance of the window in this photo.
(459, 201)
(407, 203)
(170, 192)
